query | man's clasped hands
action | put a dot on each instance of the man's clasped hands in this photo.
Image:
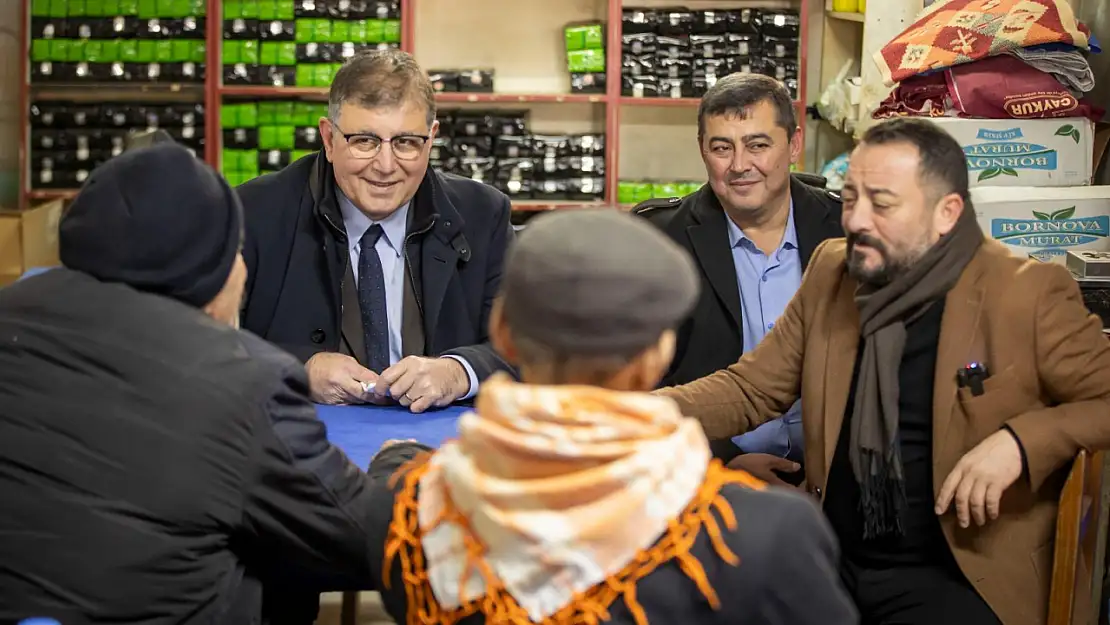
(414, 382)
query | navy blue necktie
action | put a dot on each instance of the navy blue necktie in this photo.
(371, 299)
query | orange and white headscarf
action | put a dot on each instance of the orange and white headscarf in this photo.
(561, 485)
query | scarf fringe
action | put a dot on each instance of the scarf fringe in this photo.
(588, 608)
(882, 497)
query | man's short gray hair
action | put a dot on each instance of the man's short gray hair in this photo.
(381, 78)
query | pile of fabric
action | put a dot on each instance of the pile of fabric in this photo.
(992, 59)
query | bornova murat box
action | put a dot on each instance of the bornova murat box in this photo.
(1025, 152)
(1045, 222)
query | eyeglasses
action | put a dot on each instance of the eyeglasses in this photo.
(367, 145)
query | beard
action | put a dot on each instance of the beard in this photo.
(888, 269)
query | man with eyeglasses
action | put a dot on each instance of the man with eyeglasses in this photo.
(375, 270)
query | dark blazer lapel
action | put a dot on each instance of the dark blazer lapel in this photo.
(813, 221)
(709, 240)
(443, 246)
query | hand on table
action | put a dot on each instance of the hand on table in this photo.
(977, 482)
(420, 383)
(764, 467)
(337, 379)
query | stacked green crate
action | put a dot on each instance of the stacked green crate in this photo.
(585, 44)
(636, 191)
(117, 40)
(267, 136)
(296, 43)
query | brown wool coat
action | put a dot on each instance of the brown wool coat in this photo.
(1050, 384)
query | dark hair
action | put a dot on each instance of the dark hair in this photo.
(943, 162)
(736, 94)
(381, 78)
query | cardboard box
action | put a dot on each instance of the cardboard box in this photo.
(1025, 152)
(29, 239)
(1045, 223)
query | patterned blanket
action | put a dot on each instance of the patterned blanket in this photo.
(951, 32)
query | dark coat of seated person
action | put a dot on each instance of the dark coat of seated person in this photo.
(158, 465)
(576, 496)
(365, 262)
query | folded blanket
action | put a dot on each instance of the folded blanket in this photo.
(1069, 66)
(951, 32)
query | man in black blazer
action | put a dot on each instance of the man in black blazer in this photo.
(375, 270)
(752, 230)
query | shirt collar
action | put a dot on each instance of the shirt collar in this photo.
(789, 237)
(357, 223)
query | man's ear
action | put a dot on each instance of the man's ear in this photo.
(500, 335)
(947, 212)
(327, 131)
(796, 146)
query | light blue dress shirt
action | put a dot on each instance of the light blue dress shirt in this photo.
(767, 283)
(390, 248)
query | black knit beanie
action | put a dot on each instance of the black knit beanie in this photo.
(156, 219)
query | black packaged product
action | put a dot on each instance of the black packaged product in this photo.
(635, 20)
(778, 48)
(780, 69)
(745, 21)
(317, 53)
(273, 160)
(676, 88)
(579, 166)
(277, 30)
(241, 29)
(710, 46)
(514, 176)
(277, 75)
(513, 146)
(585, 189)
(710, 22)
(473, 147)
(675, 68)
(509, 122)
(384, 9)
(476, 80)
(792, 87)
(675, 21)
(587, 83)
(446, 119)
(310, 8)
(639, 65)
(550, 146)
(589, 144)
(712, 68)
(240, 138)
(640, 86)
(550, 189)
(745, 65)
(307, 138)
(639, 43)
(472, 124)
(480, 169)
(782, 23)
(742, 45)
(444, 80)
(674, 47)
(239, 74)
(442, 149)
(48, 28)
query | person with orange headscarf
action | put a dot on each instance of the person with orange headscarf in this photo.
(576, 496)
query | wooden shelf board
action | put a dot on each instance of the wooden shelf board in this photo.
(847, 17)
(451, 97)
(51, 194)
(521, 98)
(539, 205)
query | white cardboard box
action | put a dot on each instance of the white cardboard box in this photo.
(1025, 152)
(1045, 222)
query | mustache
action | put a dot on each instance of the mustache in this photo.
(855, 238)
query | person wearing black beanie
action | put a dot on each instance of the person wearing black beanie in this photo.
(158, 220)
(160, 465)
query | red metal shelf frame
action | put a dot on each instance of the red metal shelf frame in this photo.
(215, 91)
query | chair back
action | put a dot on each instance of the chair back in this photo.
(1077, 536)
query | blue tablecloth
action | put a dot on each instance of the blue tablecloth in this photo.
(360, 431)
